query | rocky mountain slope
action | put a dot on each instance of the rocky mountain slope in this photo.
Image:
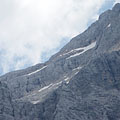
(80, 82)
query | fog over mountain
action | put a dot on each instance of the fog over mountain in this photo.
(80, 82)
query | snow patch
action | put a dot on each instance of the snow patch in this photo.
(67, 82)
(76, 72)
(66, 79)
(37, 70)
(51, 86)
(35, 102)
(46, 87)
(108, 25)
(78, 68)
(69, 52)
(56, 84)
(92, 45)
(44, 92)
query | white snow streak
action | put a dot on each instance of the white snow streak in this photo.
(67, 82)
(35, 102)
(50, 86)
(78, 68)
(76, 72)
(46, 87)
(45, 90)
(108, 25)
(66, 79)
(37, 70)
(92, 45)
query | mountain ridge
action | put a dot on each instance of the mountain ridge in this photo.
(80, 82)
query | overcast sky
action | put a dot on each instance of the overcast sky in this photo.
(33, 30)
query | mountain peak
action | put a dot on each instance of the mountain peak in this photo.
(116, 8)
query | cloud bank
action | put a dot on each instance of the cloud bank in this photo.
(32, 30)
(117, 1)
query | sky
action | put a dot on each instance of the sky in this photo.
(33, 30)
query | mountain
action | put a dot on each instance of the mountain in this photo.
(80, 82)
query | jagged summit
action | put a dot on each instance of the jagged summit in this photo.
(80, 82)
(116, 8)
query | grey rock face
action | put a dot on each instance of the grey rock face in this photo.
(80, 82)
(93, 94)
(6, 108)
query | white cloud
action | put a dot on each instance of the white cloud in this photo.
(117, 1)
(29, 28)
